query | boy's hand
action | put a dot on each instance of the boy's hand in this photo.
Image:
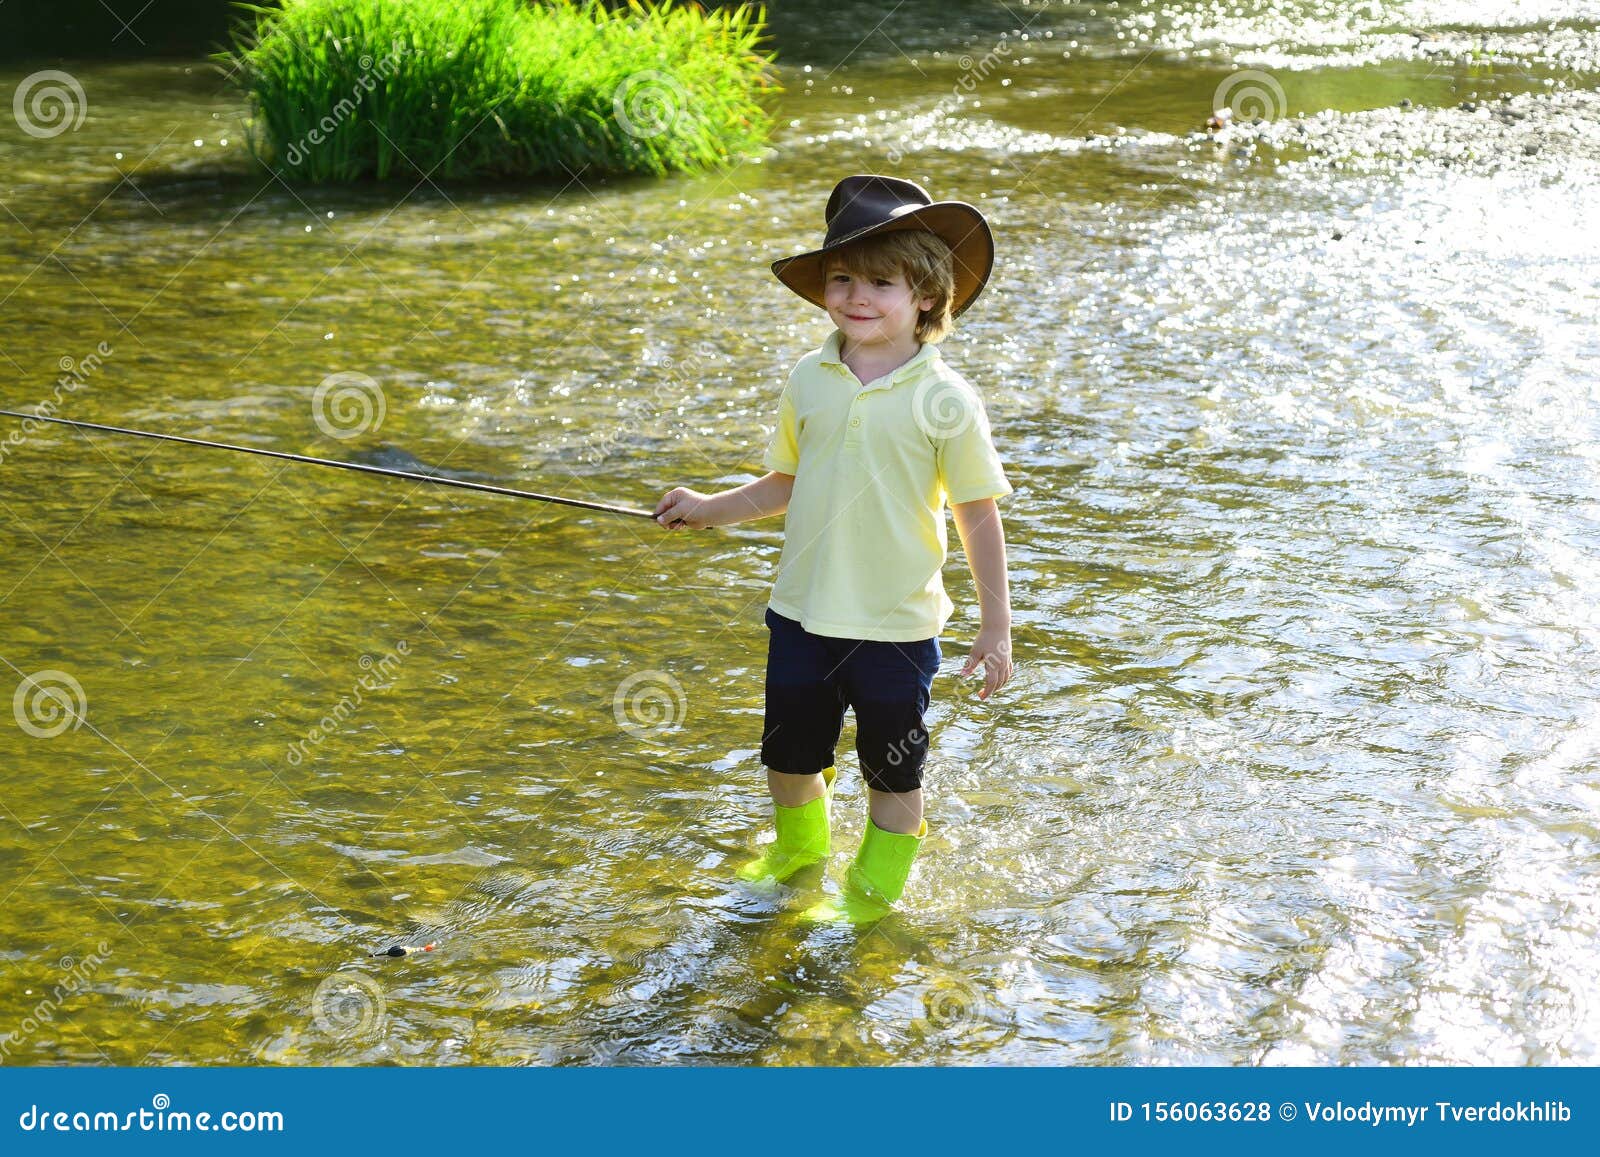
(992, 648)
(681, 506)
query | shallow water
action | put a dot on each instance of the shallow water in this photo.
(1298, 765)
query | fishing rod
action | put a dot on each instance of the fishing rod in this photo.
(433, 479)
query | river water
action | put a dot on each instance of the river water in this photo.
(1300, 764)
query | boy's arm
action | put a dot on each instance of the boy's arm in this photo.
(983, 539)
(766, 496)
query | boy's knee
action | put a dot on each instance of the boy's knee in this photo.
(892, 751)
(897, 784)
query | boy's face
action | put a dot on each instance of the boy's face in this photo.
(872, 310)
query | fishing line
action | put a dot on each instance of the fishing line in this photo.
(305, 460)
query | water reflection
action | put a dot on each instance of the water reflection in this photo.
(1293, 769)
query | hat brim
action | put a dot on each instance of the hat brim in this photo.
(957, 223)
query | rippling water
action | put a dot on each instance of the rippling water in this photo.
(1299, 764)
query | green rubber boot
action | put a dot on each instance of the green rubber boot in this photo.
(875, 880)
(802, 837)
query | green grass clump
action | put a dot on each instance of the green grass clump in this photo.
(350, 89)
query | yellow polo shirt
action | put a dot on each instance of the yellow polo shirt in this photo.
(864, 539)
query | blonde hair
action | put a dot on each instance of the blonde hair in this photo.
(922, 258)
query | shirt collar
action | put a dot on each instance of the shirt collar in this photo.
(921, 360)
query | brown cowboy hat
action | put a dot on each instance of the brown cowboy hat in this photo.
(866, 204)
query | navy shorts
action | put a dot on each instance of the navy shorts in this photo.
(811, 679)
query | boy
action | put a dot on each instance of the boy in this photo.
(874, 433)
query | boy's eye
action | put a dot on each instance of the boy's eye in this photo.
(881, 281)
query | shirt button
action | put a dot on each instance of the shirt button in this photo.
(855, 421)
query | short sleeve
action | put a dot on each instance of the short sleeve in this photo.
(783, 451)
(969, 467)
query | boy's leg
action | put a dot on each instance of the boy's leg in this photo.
(803, 718)
(804, 712)
(789, 790)
(896, 811)
(890, 687)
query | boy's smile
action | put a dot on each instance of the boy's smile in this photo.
(873, 312)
